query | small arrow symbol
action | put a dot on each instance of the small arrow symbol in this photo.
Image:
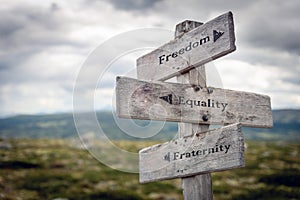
(167, 98)
(217, 35)
(167, 157)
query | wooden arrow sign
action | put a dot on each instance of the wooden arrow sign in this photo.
(212, 151)
(186, 103)
(201, 45)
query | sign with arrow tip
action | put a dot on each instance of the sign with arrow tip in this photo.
(184, 103)
(212, 151)
(167, 98)
(205, 43)
(217, 35)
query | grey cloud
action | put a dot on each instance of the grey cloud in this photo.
(134, 5)
(220, 5)
(268, 35)
(8, 26)
(28, 27)
(273, 25)
(26, 31)
(266, 56)
(54, 7)
(293, 79)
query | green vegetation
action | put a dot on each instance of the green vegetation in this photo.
(56, 168)
(49, 169)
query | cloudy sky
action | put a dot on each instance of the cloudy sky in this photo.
(45, 44)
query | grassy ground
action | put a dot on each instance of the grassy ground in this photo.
(49, 169)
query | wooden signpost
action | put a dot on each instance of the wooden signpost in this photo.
(194, 48)
(211, 151)
(197, 152)
(186, 103)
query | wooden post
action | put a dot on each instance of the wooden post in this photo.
(197, 187)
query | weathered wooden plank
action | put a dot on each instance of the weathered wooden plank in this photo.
(196, 47)
(186, 103)
(216, 150)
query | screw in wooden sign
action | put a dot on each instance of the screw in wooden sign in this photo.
(183, 103)
(197, 152)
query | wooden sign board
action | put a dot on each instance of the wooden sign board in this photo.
(186, 103)
(196, 47)
(216, 150)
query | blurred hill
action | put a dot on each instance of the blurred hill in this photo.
(286, 127)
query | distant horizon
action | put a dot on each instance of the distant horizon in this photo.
(100, 110)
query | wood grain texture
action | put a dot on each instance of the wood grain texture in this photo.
(203, 44)
(198, 187)
(189, 103)
(216, 150)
